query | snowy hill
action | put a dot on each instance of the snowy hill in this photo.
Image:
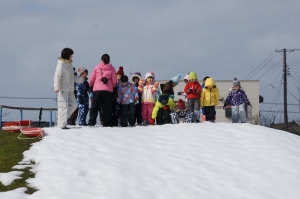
(203, 160)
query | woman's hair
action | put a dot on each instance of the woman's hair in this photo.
(105, 58)
(66, 53)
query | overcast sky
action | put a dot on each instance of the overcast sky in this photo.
(219, 38)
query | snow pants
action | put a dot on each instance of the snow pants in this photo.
(209, 112)
(163, 116)
(187, 115)
(83, 110)
(194, 106)
(147, 111)
(66, 103)
(127, 114)
(238, 113)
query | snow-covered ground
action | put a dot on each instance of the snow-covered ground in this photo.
(189, 161)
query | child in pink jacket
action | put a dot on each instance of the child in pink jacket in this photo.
(148, 90)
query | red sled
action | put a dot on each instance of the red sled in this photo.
(32, 132)
(15, 126)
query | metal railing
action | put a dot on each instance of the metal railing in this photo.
(26, 108)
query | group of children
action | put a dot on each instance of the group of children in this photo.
(127, 102)
(139, 101)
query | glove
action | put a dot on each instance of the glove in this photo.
(190, 90)
(141, 82)
(136, 101)
(151, 121)
(118, 106)
(166, 107)
(91, 95)
(80, 100)
(250, 106)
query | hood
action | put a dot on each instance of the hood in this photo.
(134, 75)
(64, 60)
(210, 82)
(106, 67)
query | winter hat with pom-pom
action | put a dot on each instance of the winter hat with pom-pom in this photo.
(176, 79)
(120, 71)
(236, 82)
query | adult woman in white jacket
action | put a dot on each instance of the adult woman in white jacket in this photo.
(64, 79)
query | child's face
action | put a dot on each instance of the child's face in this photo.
(149, 79)
(119, 77)
(136, 79)
(71, 58)
(124, 83)
(235, 87)
(84, 74)
(192, 80)
(209, 86)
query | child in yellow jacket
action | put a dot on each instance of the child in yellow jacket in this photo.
(162, 109)
(209, 99)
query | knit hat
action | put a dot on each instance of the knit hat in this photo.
(150, 74)
(236, 82)
(176, 79)
(81, 70)
(193, 75)
(187, 77)
(120, 71)
(124, 78)
(181, 105)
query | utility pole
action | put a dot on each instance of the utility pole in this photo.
(285, 85)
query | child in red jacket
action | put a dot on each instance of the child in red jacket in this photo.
(193, 90)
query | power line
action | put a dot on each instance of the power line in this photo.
(260, 65)
(272, 81)
(270, 69)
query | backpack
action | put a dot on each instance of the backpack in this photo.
(163, 99)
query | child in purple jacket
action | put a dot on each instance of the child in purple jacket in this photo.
(127, 97)
(237, 99)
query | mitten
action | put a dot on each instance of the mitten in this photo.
(91, 95)
(190, 90)
(136, 101)
(250, 106)
(196, 91)
(166, 107)
(151, 121)
(118, 106)
(141, 82)
(80, 100)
